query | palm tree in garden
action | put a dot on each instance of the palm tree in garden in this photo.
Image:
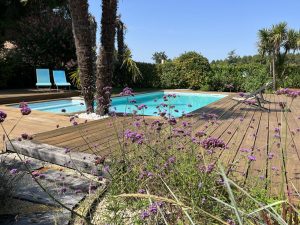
(106, 56)
(265, 47)
(276, 43)
(291, 41)
(84, 50)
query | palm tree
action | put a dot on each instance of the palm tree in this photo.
(130, 65)
(278, 35)
(265, 47)
(83, 44)
(106, 56)
(291, 41)
(272, 41)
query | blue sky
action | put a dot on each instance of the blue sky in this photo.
(211, 27)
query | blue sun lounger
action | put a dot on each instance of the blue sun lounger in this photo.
(60, 80)
(43, 78)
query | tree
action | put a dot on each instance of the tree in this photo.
(130, 67)
(159, 57)
(84, 50)
(232, 57)
(106, 55)
(44, 40)
(276, 43)
(14, 11)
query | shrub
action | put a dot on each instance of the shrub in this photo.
(242, 77)
(150, 77)
(190, 70)
(292, 78)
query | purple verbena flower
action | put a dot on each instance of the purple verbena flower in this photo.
(127, 92)
(13, 171)
(23, 104)
(251, 157)
(3, 115)
(134, 136)
(145, 214)
(212, 142)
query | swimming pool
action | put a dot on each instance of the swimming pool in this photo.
(151, 104)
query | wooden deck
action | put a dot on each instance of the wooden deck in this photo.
(16, 96)
(240, 126)
(34, 123)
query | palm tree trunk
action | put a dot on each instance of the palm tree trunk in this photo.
(83, 44)
(106, 56)
(274, 73)
(120, 73)
(120, 40)
(93, 29)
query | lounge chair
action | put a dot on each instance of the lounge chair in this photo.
(43, 78)
(60, 80)
(255, 98)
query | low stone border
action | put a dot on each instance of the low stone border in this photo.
(82, 162)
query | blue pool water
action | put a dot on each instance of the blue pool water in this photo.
(155, 102)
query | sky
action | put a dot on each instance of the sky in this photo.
(210, 27)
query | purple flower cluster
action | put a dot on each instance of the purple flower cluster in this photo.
(152, 210)
(208, 169)
(172, 121)
(200, 133)
(37, 174)
(170, 161)
(23, 104)
(145, 174)
(251, 157)
(13, 171)
(134, 136)
(142, 106)
(242, 94)
(3, 115)
(157, 125)
(212, 143)
(25, 110)
(127, 92)
(288, 92)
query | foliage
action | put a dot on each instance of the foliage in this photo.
(159, 57)
(14, 11)
(150, 77)
(74, 77)
(131, 67)
(39, 34)
(46, 40)
(190, 70)
(274, 44)
(14, 73)
(243, 77)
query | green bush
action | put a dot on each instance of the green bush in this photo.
(292, 78)
(242, 77)
(150, 77)
(190, 70)
(14, 73)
